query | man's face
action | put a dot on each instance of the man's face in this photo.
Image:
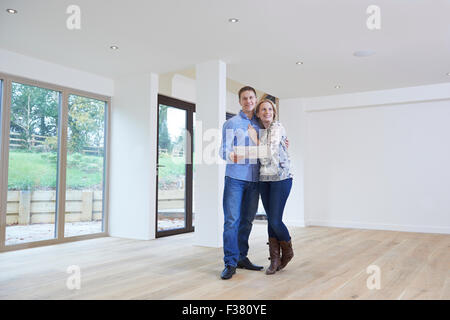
(248, 101)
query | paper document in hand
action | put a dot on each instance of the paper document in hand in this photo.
(251, 152)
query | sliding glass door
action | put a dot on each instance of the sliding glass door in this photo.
(174, 166)
(53, 164)
(85, 166)
(32, 164)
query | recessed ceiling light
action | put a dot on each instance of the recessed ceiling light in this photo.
(448, 73)
(233, 20)
(299, 63)
(363, 53)
(114, 47)
(12, 11)
(337, 87)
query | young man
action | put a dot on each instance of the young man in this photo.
(241, 195)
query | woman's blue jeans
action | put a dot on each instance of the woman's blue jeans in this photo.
(274, 195)
(240, 203)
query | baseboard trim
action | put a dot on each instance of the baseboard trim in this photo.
(375, 226)
(295, 223)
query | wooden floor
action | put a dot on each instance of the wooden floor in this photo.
(329, 263)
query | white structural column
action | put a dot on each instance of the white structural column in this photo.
(294, 121)
(209, 168)
(133, 157)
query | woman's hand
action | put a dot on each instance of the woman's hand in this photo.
(253, 134)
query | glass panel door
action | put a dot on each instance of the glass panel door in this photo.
(174, 167)
(85, 166)
(33, 164)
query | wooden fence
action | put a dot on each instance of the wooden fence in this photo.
(16, 142)
(171, 199)
(29, 207)
(38, 142)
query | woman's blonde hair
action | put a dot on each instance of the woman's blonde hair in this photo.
(274, 108)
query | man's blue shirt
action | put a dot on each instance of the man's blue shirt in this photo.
(235, 133)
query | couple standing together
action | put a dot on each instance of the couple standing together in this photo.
(246, 179)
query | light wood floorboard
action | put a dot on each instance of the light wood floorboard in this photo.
(329, 263)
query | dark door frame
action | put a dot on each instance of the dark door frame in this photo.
(190, 108)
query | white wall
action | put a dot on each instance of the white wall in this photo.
(378, 160)
(133, 157)
(294, 120)
(184, 88)
(35, 69)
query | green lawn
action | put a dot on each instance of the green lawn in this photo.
(38, 170)
(171, 168)
(34, 171)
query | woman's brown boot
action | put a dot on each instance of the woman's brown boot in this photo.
(286, 253)
(274, 251)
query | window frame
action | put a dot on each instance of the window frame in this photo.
(190, 110)
(65, 92)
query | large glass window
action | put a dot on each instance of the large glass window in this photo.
(53, 148)
(33, 164)
(85, 166)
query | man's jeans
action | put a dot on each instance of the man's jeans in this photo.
(240, 203)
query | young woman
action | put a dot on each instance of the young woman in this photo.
(275, 182)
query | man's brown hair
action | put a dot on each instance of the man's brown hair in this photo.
(246, 88)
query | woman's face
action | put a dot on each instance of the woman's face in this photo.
(265, 112)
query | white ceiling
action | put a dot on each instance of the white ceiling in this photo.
(412, 47)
